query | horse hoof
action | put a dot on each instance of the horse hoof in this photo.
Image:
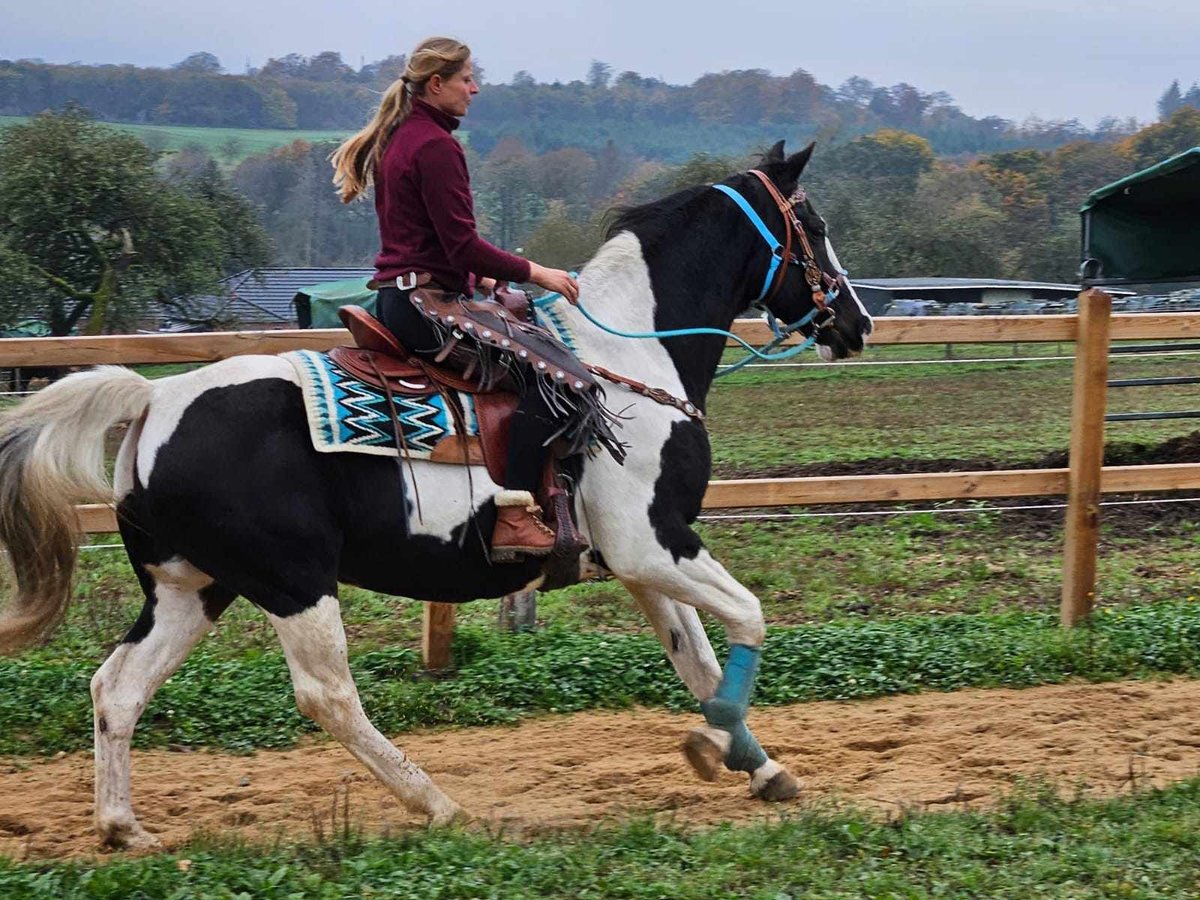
(124, 836)
(451, 814)
(774, 787)
(705, 749)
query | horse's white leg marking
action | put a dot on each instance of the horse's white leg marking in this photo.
(686, 642)
(314, 642)
(126, 682)
(701, 582)
(683, 637)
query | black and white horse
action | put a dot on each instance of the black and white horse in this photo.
(221, 494)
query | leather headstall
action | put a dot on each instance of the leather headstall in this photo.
(816, 278)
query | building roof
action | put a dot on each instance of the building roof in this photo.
(1148, 189)
(265, 296)
(955, 284)
(1145, 227)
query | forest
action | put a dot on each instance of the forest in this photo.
(910, 185)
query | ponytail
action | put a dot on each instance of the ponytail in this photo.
(355, 160)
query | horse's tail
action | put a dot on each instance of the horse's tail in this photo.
(52, 457)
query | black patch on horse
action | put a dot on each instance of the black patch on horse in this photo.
(686, 463)
(285, 523)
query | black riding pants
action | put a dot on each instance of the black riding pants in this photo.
(533, 423)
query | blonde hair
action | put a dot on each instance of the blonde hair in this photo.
(355, 160)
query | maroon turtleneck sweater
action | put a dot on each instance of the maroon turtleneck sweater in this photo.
(426, 214)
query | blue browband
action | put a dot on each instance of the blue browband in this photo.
(782, 333)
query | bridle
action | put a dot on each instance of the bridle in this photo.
(819, 317)
(822, 314)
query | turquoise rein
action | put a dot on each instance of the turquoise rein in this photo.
(765, 352)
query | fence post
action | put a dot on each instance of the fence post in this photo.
(1087, 457)
(437, 634)
(518, 612)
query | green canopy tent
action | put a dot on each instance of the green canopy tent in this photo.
(317, 306)
(1145, 227)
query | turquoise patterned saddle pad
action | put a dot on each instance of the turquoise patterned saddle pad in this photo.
(345, 414)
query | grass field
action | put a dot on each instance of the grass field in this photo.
(858, 606)
(227, 145)
(217, 141)
(1009, 412)
(1143, 846)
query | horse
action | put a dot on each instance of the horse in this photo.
(220, 493)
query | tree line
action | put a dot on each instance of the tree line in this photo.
(895, 207)
(1175, 98)
(718, 113)
(97, 227)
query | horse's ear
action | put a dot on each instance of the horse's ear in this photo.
(797, 161)
(775, 154)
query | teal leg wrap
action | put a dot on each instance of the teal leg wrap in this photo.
(727, 708)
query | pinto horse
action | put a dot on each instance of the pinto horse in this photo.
(220, 492)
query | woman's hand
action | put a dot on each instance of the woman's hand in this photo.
(554, 280)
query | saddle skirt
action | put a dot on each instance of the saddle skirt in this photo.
(346, 413)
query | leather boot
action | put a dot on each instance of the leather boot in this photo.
(520, 530)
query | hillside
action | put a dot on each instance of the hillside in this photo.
(725, 112)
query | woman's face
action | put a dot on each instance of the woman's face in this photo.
(453, 95)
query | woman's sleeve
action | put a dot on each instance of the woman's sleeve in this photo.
(446, 189)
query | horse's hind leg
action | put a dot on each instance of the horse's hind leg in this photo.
(683, 637)
(181, 605)
(314, 642)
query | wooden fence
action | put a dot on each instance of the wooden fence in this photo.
(1091, 330)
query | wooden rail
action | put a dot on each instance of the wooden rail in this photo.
(846, 489)
(199, 348)
(1082, 484)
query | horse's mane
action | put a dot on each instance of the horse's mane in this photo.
(653, 219)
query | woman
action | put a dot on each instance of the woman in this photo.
(427, 225)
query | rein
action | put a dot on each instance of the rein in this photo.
(817, 280)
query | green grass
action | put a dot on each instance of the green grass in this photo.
(1035, 844)
(804, 571)
(243, 703)
(1007, 412)
(249, 141)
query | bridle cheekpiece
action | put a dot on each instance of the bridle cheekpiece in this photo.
(822, 314)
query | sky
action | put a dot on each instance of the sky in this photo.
(1055, 59)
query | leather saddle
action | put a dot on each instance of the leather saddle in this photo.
(383, 362)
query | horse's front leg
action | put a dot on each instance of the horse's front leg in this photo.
(724, 697)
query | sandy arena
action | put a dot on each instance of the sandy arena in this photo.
(924, 751)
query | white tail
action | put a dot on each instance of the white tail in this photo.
(52, 457)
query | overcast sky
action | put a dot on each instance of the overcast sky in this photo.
(1015, 58)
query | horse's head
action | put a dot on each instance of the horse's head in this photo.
(805, 286)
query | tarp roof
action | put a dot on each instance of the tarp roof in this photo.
(317, 304)
(1146, 227)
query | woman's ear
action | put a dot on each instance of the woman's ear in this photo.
(434, 84)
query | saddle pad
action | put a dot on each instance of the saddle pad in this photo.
(550, 316)
(344, 414)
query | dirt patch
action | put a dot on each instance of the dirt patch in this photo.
(926, 751)
(1119, 521)
(1185, 449)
